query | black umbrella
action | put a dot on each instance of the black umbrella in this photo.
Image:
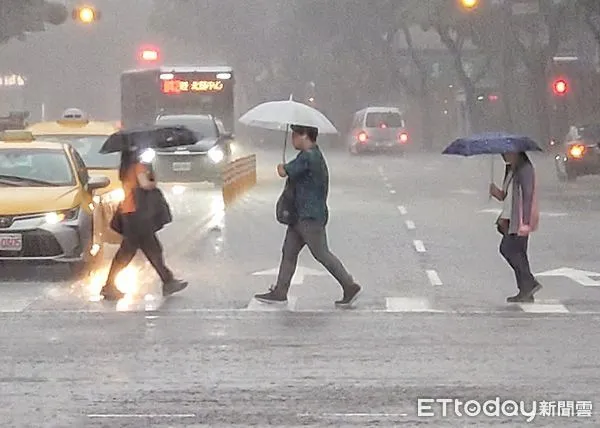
(149, 137)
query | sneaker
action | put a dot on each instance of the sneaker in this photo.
(521, 297)
(111, 293)
(350, 296)
(536, 287)
(173, 286)
(273, 296)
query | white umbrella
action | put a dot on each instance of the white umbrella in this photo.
(279, 115)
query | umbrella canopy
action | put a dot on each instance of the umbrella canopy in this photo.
(490, 144)
(278, 115)
(149, 137)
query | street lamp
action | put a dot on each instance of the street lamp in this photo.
(86, 14)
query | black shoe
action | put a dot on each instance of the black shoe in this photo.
(111, 293)
(536, 287)
(521, 297)
(350, 296)
(273, 296)
(173, 286)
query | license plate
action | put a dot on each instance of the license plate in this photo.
(11, 242)
(182, 166)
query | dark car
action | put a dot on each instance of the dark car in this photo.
(202, 161)
(580, 154)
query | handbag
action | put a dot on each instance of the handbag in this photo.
(285, 209)
(503, 224)
(153, 208)
(116, 223)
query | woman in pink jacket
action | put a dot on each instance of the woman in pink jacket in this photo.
(519, 217)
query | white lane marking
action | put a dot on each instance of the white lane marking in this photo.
(464, 192)
(408, 304)
(434, 278)
(142, 415)
(388, 185)
(380, 169)
(543, 213)
(410, 225)
(392, 191)
(385, 178)
(256, 306)
(419, 246)
(402, 209)
(543, 308)
(350, 415)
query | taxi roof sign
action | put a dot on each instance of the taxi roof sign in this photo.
(17, 136)
(73, 116)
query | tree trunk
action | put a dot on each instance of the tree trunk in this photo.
(425, 107)
(539, 81)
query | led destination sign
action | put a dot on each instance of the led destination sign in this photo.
(177, 86)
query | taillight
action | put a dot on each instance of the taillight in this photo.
(403, 137)
(576, 150)
(363, 137)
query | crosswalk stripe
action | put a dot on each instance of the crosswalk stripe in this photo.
(156, 307)
(544, 308)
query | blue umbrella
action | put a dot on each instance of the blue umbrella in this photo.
(491, 144)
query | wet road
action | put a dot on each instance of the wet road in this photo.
(416, 231)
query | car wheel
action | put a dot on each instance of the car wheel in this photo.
(91, 263)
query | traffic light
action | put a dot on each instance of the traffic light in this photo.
(18, 17)
(469, 4)
(560, 87)
(149, 54)
(86, 14)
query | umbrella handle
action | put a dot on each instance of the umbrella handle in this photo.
(491, 175)
(287, 127)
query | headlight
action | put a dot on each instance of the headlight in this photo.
(216, 154)
(59, 216)
(114, 196)
(147, 156)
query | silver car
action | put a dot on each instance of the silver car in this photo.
(377, 129)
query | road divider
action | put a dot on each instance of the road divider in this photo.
(239, 176)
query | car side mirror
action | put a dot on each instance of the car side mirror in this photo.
(98, 182)
(229, 135)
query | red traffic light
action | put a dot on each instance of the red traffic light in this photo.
(149, 54)
(560, 87)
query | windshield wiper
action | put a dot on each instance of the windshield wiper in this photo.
(6, 179)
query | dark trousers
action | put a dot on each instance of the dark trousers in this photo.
(514, 249)
(138, 237)
(312, 234)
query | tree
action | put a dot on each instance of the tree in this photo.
(19, 17)
(455, 29)
(536, 39)
(242, 34)
(590, 11)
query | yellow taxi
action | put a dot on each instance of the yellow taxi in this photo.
(47, 212)
(87, 137)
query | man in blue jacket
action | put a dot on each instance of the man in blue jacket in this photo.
(309, 175)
